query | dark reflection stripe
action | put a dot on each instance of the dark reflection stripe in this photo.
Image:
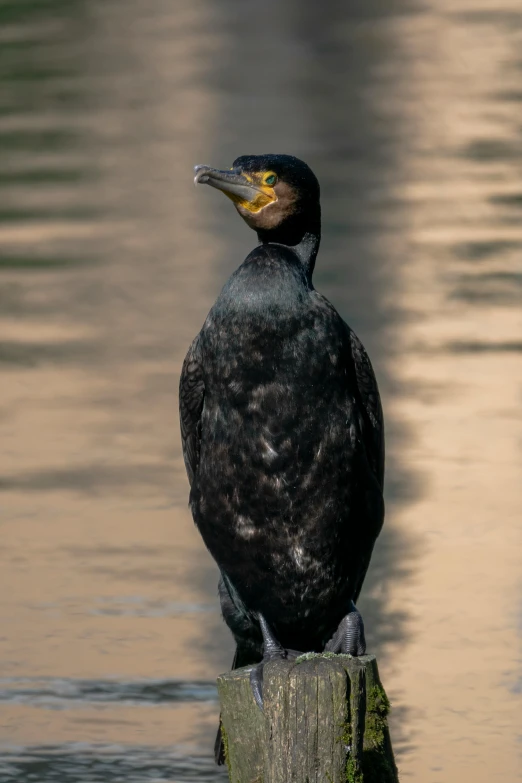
(40, 176)
(493, 150)
(63, 693)
(511, 96)
(40, 262)
(478, 295)
(476, 251)
(471, 346)
(496, 287)
(508, 199)
(27, 354)
(42, 214)
(82, 763)
(91, 478)
(50, 140)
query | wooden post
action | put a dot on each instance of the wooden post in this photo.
(324, 721)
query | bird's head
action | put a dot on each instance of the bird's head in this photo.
(276, 195)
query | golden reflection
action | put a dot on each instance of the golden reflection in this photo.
(459, 374)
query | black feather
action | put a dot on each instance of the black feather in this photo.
(283, 439)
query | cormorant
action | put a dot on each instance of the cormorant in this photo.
(282, 432)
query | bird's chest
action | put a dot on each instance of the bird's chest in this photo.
(250, 353)
(275, 459)
(276, 447)
(277, 405)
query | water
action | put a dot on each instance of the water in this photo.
(410, 114)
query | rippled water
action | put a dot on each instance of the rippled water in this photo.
(410, 114)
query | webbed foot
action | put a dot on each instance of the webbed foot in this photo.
(349, 637)
(271, 650)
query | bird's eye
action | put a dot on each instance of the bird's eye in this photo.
(271, 179)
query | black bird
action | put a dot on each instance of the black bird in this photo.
(282, 431)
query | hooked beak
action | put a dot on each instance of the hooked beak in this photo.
(236, 186)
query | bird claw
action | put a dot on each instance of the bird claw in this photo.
(256, 683)
(272, 650)
(349, 637)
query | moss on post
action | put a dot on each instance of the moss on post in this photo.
(378, 760)
(325, 721)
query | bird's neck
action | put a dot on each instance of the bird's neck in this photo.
(307, 250)
(302, 235)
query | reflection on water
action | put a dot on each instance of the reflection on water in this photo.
(100, 764)
(409, 112)
(55, 694)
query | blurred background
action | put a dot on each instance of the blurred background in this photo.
(410, 113)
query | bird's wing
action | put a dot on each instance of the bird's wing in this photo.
(191, 396)
(373, 438)
(371, 400)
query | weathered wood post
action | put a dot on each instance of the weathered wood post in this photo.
(324, 721)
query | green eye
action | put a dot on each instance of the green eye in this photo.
(271, 179)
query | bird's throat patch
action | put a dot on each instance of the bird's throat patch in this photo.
(264, 194)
